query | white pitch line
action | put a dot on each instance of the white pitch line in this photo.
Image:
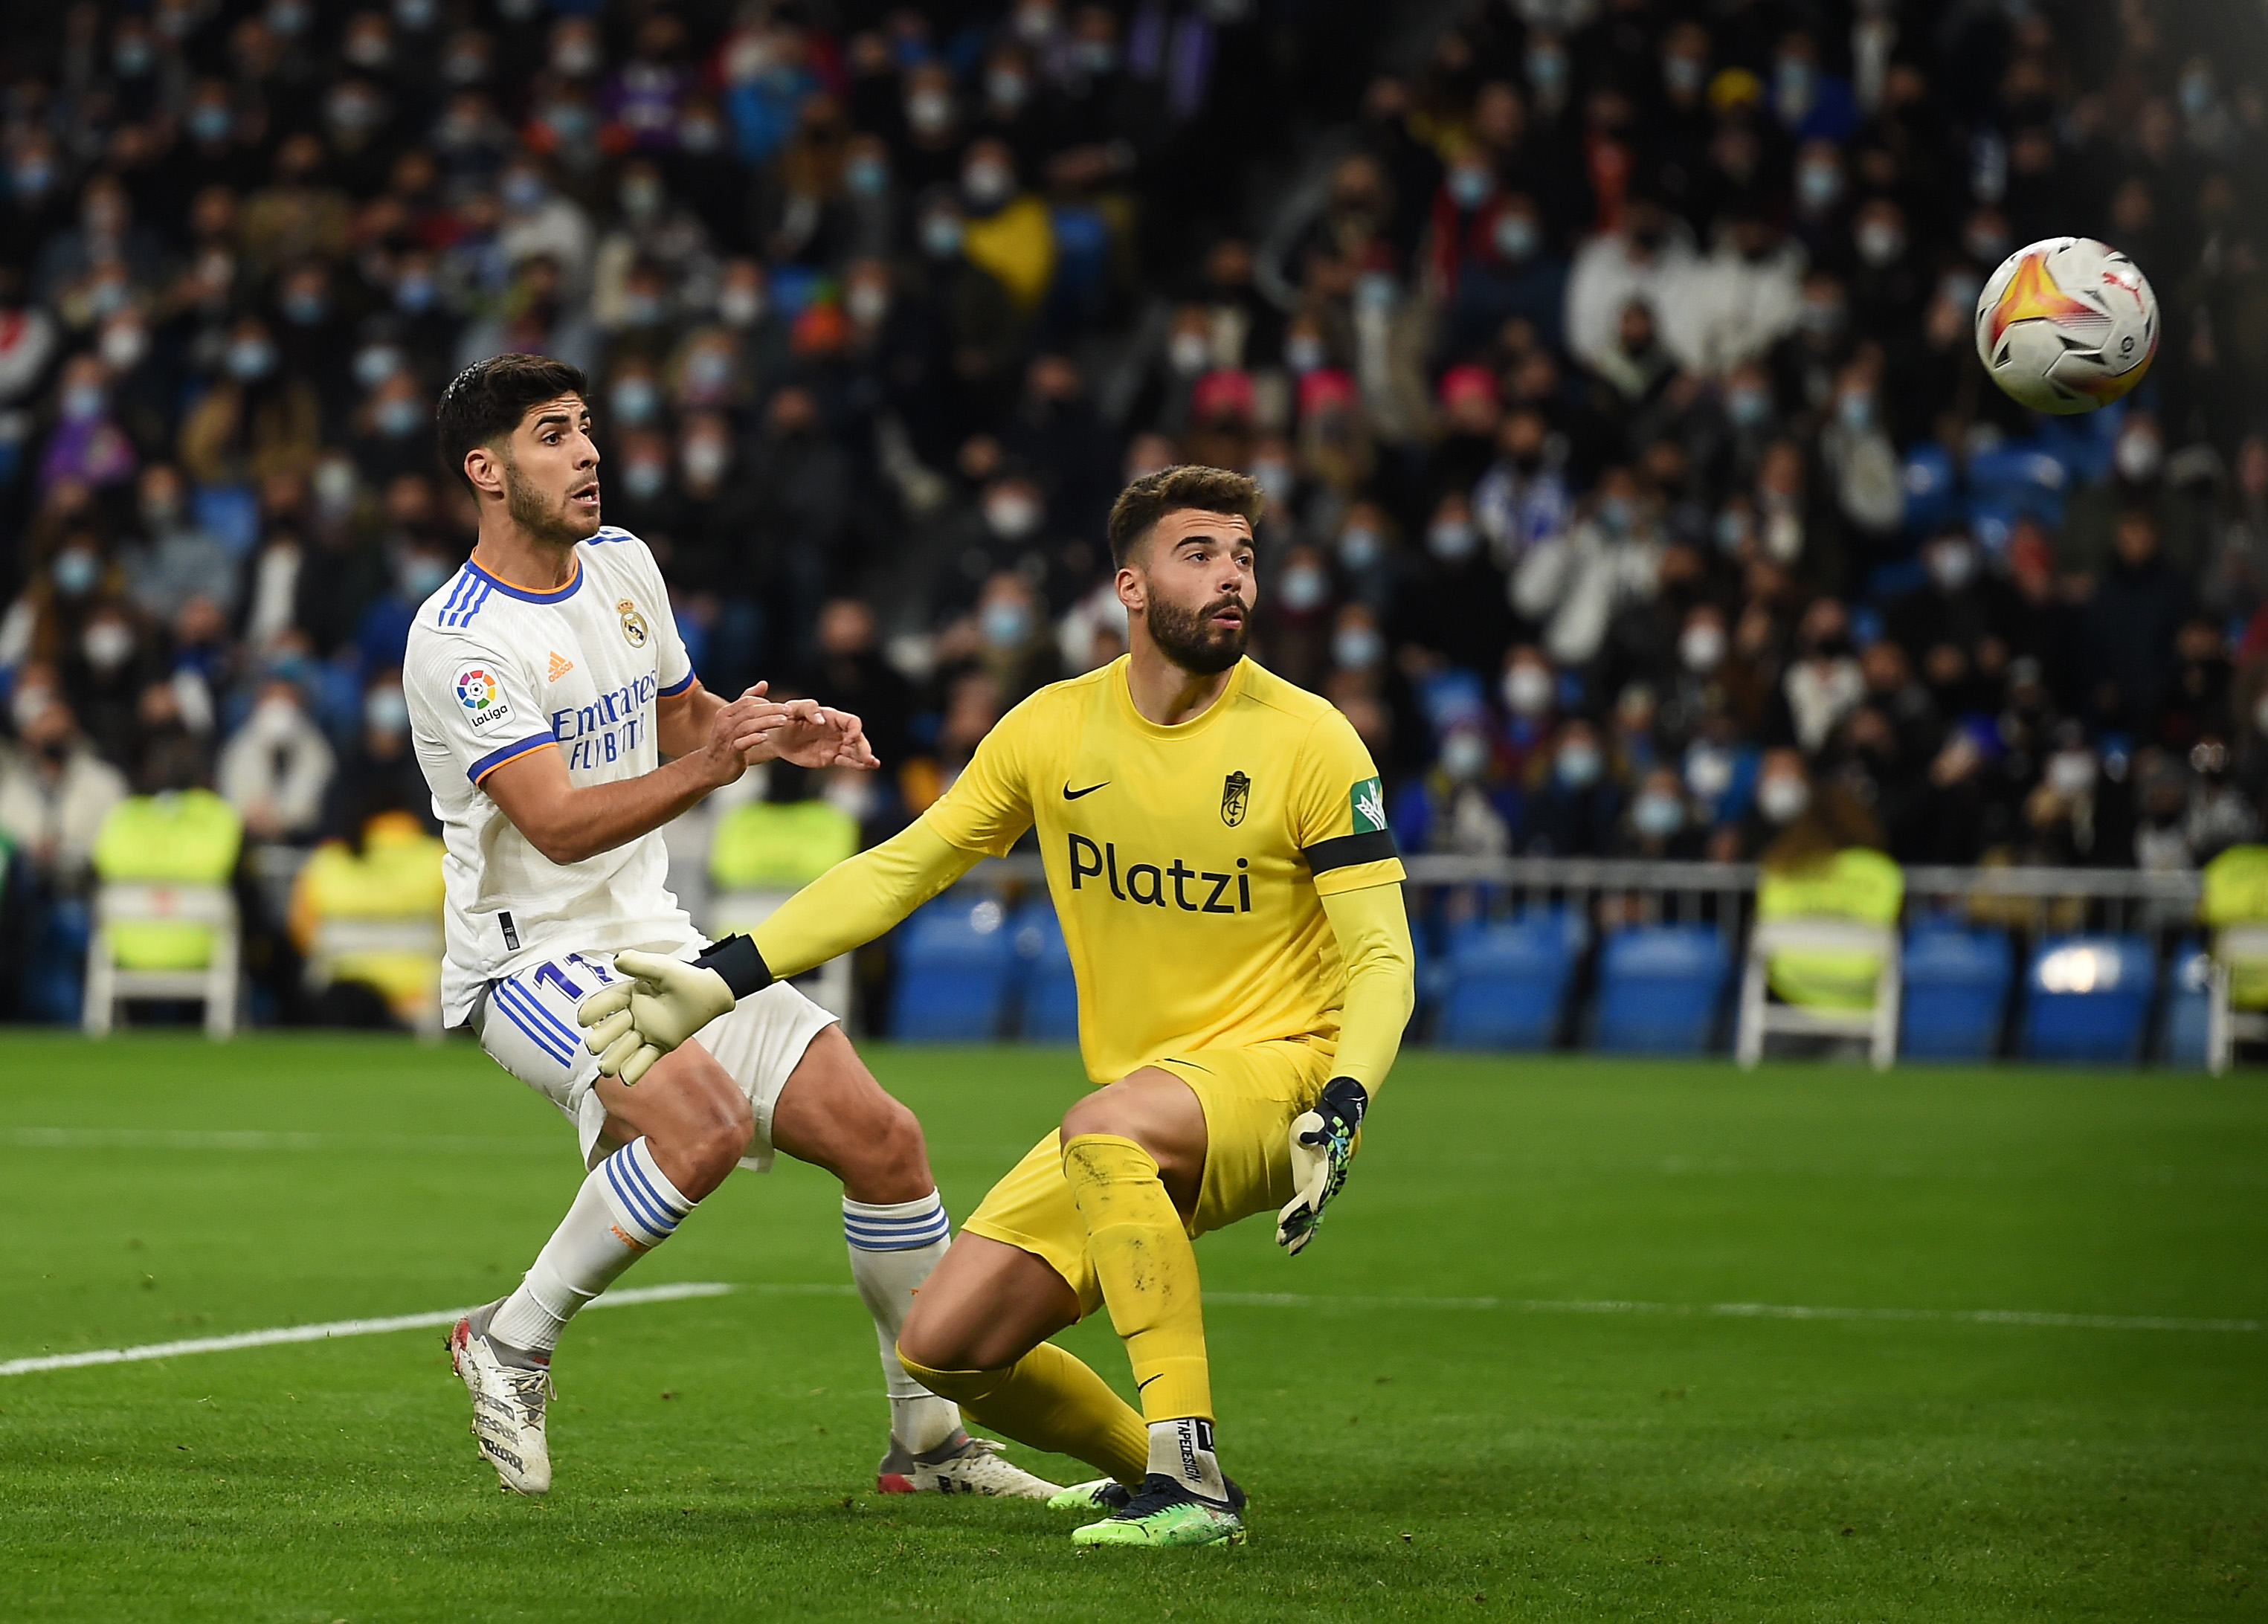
(326, 1330)
(1745, 1310)
(256, 1139)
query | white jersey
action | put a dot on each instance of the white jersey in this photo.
(494, 671)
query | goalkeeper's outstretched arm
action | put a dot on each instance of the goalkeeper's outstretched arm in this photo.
(661, 1002)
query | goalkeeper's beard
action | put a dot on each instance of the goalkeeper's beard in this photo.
(1195, 640)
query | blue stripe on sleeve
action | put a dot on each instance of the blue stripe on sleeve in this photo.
(495, 759)
(680, 686)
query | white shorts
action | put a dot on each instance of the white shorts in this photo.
(526, 1023)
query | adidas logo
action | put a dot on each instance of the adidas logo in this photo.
(560, 666)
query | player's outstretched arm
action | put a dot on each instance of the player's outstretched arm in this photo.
(568, 822)
(662, 1002)
(1373, 928)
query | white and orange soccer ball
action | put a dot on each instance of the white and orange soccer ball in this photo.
(2066, 324)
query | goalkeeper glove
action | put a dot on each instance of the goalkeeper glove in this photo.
(1322, 1144)
(660, 1002)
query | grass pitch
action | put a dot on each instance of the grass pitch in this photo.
(1440, 1410)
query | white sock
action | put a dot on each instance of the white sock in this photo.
(1182, 1450)
(625, 1208)
(894, 1246)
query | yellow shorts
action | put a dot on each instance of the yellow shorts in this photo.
(1249, 1096)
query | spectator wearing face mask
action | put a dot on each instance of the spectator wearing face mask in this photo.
(420, 569)
(1291, 627)
(1008, 637)
(1466, 803)
(1573, 802)
(1824, 684)
(54, 791)
(1649, 259)
(87, 446)
(2131, 624)
(277, 766)
(176, 559)
(1453, 606)
(1510, 270)
(380, 773)
(1659, 825)
(256, 420)
(2138, 478)
(1573, 584)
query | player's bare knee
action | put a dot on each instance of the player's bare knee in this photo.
(887, 1159)
(1097, 1113)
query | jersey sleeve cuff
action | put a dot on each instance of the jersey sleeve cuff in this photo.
(680, 686)
(1360, 877)
(495, 759)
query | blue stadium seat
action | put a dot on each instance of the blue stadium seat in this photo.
(2188, 994)
(1660, 988)
(1050, 996)
(1956, 991)
(956, 966)
(1929, 489)
(2018, 478)
(2088, 998)
(1503, 983)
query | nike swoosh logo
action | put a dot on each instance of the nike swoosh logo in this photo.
(1070, 794)
(1139, 1385)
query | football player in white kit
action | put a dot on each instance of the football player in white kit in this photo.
(547, 684)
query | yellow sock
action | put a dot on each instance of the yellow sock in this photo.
(1148, 1271)
(1050, 1401)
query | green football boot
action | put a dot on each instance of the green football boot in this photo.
(1165, 1513)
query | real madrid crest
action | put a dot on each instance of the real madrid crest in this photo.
(633, 624)
(1235, 796)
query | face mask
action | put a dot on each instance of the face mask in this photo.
(1357, 648)
(1528, 690)
(1006, 625)
(422, 576)
(75, 571)
(132, 57)
(570, 121)
(1579, 765)
(287, 18)
(988, 185)
(700, 136)
(1952, 568)
(1881, 243)
(1546, 71)
(106, 645)
(1823, 317)
(576, 56)
(462, 68)
(334, 485)
(1857, 411)
(642, 310)
(1747, 406)
(739, 306)
(384, 710)
(1305, 589)
(1729, 530)
(352, 112)
(644, 479)
(1006, 89)
(2071, 773)
(928, 112)
(1304, 353)
(866, 176)
(210, 123)
(1987, 244)
(1708, 771)
(160, 510)
(303, 308)
(1452, 540)
(1656, 815)
(1683, 75)
(1036, 24)
(1817, 186)
(940, 235)
(1375, 292)
(397, 418)
(1516, 238)
(705, 460)
(2197, 94)
(1701, 647)
(636, 400)
(523, 189)
(1012, 516)
(81, 402)
(414, 294)
(1618, 515)
(708, 373)
(2138, 457)
(1095, 57)
(1188, 353)
(1793, 85)
(414, 15)
(374, 363)
(867, 302)
(640, 196)
(1465, 756)
(1469, 186)
(250, 358)
(1782, 800)
(1361, 547)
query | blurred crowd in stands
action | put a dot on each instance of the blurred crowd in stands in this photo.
(1608, 364)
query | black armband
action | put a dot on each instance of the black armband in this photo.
(738, 961)
(1344, 1099)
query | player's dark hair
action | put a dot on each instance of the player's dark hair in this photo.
(1184, 485)
(486, 402)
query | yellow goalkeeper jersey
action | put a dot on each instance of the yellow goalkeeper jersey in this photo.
(1186, 863)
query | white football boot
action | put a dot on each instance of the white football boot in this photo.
(509, 1388)
(960, 1466)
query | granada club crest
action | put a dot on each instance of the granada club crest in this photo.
(1235, 797)
(633, 624)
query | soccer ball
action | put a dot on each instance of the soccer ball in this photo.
(2066, 324)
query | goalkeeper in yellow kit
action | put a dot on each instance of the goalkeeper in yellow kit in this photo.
(1217, 849)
